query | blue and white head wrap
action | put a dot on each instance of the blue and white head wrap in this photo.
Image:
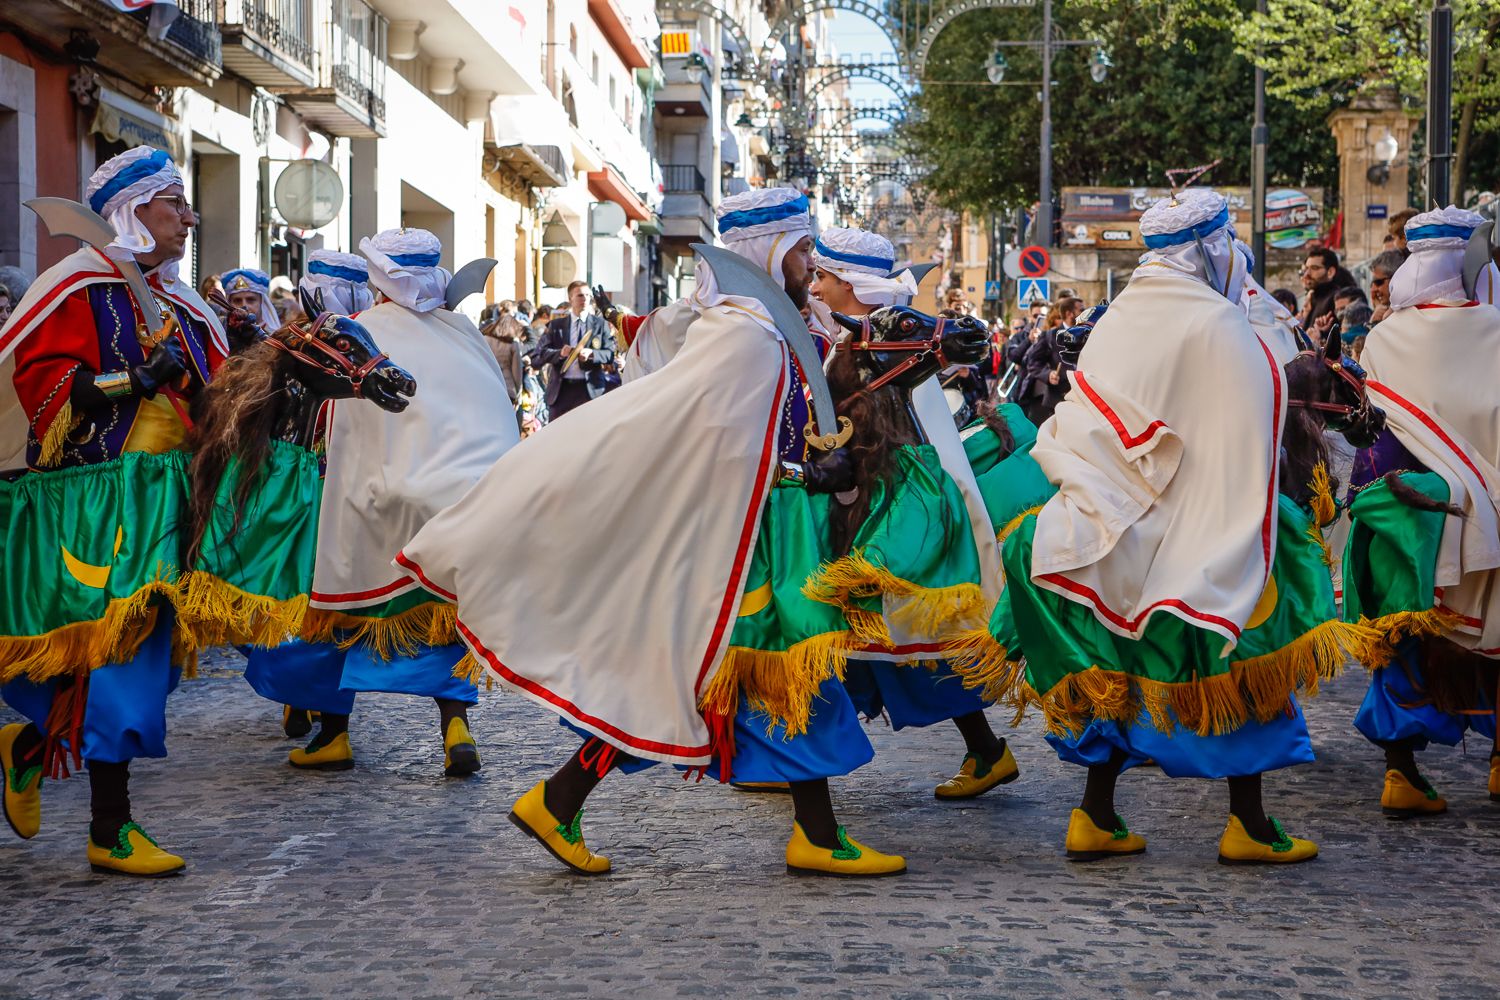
(1174, 228)
(1435, 270)
(249, 279)
(341, 278)
(121, 185)
(760, 225)
(404, 267)
(865, 260)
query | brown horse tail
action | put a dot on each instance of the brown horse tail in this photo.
(234, 417)
(1416, 498)
(990, 414)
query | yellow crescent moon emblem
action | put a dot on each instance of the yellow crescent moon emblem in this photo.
(87, 573)
(1264, 606)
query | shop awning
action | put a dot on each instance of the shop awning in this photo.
(608, 185)
(119, 119)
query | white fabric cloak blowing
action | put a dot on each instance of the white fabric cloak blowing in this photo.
(646, 503)
(1435, 370)
(388, 473)
(1165, 454)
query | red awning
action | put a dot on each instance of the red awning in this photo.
(611, 20)
(607, 185)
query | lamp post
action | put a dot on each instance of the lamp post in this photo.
(1439, 104)
(1259, 137)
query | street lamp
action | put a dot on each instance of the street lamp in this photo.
(695, 66)
(1099, 65)
(997, 67)
(1386, 151)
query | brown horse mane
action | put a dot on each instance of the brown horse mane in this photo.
(881, 425)
(233, 420)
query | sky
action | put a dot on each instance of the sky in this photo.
(855, 35)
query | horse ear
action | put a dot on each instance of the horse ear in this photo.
(312, 301)
(1333, 346)
(848, 322)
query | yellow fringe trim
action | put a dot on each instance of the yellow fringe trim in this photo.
(1324, 509)
(1257, 688)
(1392, 628)
(470, 669)
(1015, 523)
(114, 638)
(982, 663)
(935, 612)
(782, 684)
(215, 613)
(431, 624)
(57, 435)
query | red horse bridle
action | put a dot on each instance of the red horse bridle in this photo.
(1355, 382)
(305, 344)
(919, 349)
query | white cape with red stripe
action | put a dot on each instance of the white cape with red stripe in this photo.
(637, 514)
(1165, 454)
(389, 472)
(80, 269)
(1435, 370)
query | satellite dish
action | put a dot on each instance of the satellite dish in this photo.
(309, 194)
(558, 268)
(609, 218)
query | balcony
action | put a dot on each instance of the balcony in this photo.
(539, 166)
(686, 214)
(348, 96)
(620, 33)
(688, 90)
(188, 56)
(270, 42)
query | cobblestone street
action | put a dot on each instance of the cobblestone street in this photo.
(390, 881)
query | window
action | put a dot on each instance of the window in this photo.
(573, 40)
(594, 69)
(614, 96)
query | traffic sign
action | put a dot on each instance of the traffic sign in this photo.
(1011, 264)
(1028, 289)
(1035, 262)
(991, 290)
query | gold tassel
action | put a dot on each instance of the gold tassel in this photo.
(983, 664)
(57, 435)
(432, 623)
(780, 684)
(214, 612)
(1015, 523)
(1392, 628)
(114, 638)
(1324, 508)
(925, 611)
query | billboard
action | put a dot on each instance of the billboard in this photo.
(1109, 218)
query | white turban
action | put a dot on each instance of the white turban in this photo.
(1171, 230)
(865, 260)
(760, 225)
(404, 267)
(121, 185)
(248, 279)
(1435, 270)
(341, 278)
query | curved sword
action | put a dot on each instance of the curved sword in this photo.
(65, 217)
(467, 281)
(737, 276)
(1478, 255)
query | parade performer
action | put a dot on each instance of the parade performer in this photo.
(248, 290)
(1423, 557)
(386, 476)
(662, 522)
(90, 658)
(853, 278)
(304, 677)
(1142, 594)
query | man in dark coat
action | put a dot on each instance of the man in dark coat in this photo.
(574, 353)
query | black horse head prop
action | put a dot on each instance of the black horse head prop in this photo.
(897, 344)
(1333, 387)
(335, 357)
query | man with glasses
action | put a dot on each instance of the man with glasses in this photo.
(1381, 270)
(1321, 278)
(93, 382)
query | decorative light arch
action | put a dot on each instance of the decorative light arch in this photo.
(716, 11)
(856, 71)
(946, 16)
(798, 9)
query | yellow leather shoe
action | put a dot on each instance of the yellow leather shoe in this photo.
(1401, 799)
(296, 722)
(460, 755)
(335, 755)
(564, 841)
(1086, 842)
(774, 787)
(1237, 847)
(974, 777)
(1495, 779)
(851, 860)
(22, 801)
(135, 854)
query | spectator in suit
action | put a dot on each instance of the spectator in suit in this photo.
(1044, 367)
(574, 352)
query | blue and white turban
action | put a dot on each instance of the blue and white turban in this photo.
(865, 260)
(248, 279)
(404, 267)
(121, 185)
(1173, 229)
(341, 278)
(760, 225)
(1435, 270)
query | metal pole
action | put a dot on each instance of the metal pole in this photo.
(1439, 104)
(1259, 136)
(1044, 207)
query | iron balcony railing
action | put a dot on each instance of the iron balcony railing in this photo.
(358, 54)
(195, 30)
(283, 25)
(683, 179)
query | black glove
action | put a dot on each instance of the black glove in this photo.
(242, 329)
(829, 472)
(605, 305)
(166, 363)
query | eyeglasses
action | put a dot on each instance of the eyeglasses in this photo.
(1377, 282)
(179, 204)
(1306, 268)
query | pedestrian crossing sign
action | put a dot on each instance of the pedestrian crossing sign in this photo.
(1028, 289)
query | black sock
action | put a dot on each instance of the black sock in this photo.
(1099, 792)
(564, 793)
(812, 807)
(330, 728)
(27, 750)
(979, 739)
(448, 710)
(109, 801)
(1404, 760)
(1245, 802)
